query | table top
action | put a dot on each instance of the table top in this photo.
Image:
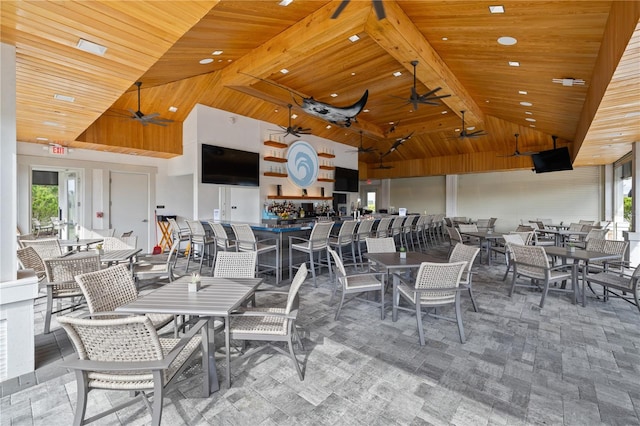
(483, 234)
(216, 297)
(578, 254)
(561, 231)
(392, 260)
(80, 242)
(109, 255)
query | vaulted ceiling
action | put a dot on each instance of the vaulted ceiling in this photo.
(593, 45)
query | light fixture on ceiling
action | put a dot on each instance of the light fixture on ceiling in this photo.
(294, 116)
(522, 92)
(50, 123)
(284, 71)
(65, 98)
(173, 109)
(397, 74)
(496, 9)
(365, 110)
(530, 119)
(528, 112)
(334, 95)
(328, 126)
(354, 38)
(353, 73)
(444, 112)
(206, 61)
(568, 81)
(285, 3)
(91, 47)
(526, 104)
(40, 138)
(514, 63)
(217, 52)
(445, 38)
(507, 41)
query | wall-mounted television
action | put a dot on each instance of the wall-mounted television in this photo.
(227, 166)
(347, 180)
(553, 160)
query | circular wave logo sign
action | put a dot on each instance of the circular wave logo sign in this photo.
(302, 164)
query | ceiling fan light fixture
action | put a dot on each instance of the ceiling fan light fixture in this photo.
(91, 47)
(507, 41)
(496, 9)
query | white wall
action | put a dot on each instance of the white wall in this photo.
(427, 195)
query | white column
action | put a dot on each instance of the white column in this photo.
(633, 236)
(17, 291)
(608, 193)
(451, 195)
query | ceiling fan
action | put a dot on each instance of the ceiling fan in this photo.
(362, 149)
(377, 5)
(382, 166)
(474, 134)
(295, 131)
(428, 98)
(145, 119)
(517, 153)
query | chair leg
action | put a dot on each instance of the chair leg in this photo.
(328, 262)
(158, 386)
(473, 300)
(340, 305)
(544, 293)
(294, 359)
(382, 302)
(313, 269)
(513, 281)
(81, 398)
(459, 318)
(419, 320)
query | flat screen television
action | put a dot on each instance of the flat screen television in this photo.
(227, 166)
(553, 160)
(347, 180)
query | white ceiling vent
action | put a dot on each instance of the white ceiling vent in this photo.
(569, 81)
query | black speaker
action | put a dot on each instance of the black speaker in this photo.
(279, 190)
(322, 191)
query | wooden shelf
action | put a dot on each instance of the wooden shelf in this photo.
(297, 197)
(275, 159)
(325, 180)
(326, 155)
(276, 144)
(274, 174)
(327, 167)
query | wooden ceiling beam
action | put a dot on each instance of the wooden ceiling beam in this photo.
(401, 39)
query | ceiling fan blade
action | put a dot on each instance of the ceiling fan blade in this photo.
(340, 9)
(476, 133)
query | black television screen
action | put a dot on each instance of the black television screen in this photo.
(553, 160)
(227, 166)
(347, 180)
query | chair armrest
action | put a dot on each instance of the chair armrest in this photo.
(245, 242)
(259, 313)
(559, 267)
(368, 274)
(264, 241)
(300, 239)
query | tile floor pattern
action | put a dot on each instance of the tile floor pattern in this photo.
(563, 364)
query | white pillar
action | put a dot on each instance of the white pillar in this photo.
(633, 236)
(17, 291)
(451, 195)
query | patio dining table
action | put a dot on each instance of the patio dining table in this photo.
(79, 243)
(217, 297)
(561, 234)
(489, 236)
(580, 256)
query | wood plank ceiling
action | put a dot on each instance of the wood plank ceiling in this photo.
(455, 44)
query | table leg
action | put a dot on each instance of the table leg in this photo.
(585, 271)
(227, 345)
(209, 360)
(574, 281)
(394, 302)
(488, 248)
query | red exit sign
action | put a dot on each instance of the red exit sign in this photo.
(57, 150)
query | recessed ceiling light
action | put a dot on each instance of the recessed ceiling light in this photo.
(532, 125)
(568, 81)
(284, 71)
(526, 104)
(445, 38)
(397, 74)
(522, 92)
(334, 95)
(528, 112)
(285, 2)
(353, 73)
(514, 63)
(206, 61)
(328, 126)
(533, 120)
(294, 116)
(507, 41)
(64, 98)
(496, 9)
(50, 123)
(487, 101)
(217, 52)
(41, 139)
(444, 112)
(173, 109)
(91, 47)
(365, 110)
(354, 38)
(471, 127)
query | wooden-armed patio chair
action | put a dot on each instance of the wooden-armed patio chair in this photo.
(436, 285)
(125, 353)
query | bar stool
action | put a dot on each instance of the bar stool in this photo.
(198, 236)
(317, 242)
(246, 241)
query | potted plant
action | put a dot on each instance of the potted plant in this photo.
(403, 252)
(571, 248)
(194, 285)
(99, 248)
